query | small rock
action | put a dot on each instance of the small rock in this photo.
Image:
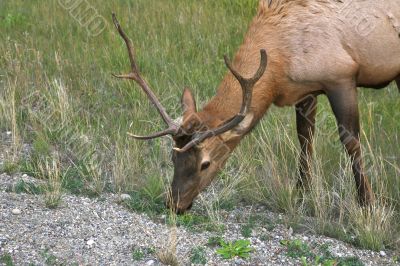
(16, 211)
(24, 176)
(305, 238)
(90, 242)
(125, 197)
(239, 262)
(382, 253)
(150, 262)
(8, 133)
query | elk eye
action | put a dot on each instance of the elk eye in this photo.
(205, 165)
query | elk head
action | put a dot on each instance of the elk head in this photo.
(202, 144)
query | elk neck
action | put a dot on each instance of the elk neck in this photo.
(228, 99)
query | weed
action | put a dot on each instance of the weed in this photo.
(198, 255)
(197, 223)
(264, 237)
(139, 253)
(214, 241)
(239, 248)
(26, 187)
(141, 202)
(53, 189)
(297, 248)
(168, 254)
(246, 230)
(372, 225)
(13, 20)
(349, 261)
(9, 167)
(49, 258)
(6, 259)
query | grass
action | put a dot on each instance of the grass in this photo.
(26, 187)
(6, 259)
(57, 94)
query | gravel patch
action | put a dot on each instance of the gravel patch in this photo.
(99, 231)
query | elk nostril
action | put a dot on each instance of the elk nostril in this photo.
(205, 165)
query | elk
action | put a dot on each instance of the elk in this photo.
(314, 47)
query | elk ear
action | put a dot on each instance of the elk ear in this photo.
(188, 103)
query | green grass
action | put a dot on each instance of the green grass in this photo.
(26, 187)
(57, 93)
(6, 259)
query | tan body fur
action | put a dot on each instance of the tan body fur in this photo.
(314, 47)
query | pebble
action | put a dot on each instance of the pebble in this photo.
(16, 211)
(382, 253)
(102, 232)
(305, 238)
(125, 197)
(240, 262)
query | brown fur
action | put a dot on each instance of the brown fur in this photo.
(314, 47)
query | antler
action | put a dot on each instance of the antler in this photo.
(247, 88)
(172, 129)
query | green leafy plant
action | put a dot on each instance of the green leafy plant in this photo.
(198, 255)
(139, 253)
(239, 248)
(297, 248)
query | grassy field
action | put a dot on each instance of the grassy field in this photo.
(57, 94)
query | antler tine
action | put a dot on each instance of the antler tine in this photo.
(173, 129)
(169, 131)
(247, 85)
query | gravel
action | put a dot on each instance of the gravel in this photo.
(100, 231)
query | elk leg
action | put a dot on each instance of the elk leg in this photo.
(305, 121)
(345, 107)
(398, 83)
